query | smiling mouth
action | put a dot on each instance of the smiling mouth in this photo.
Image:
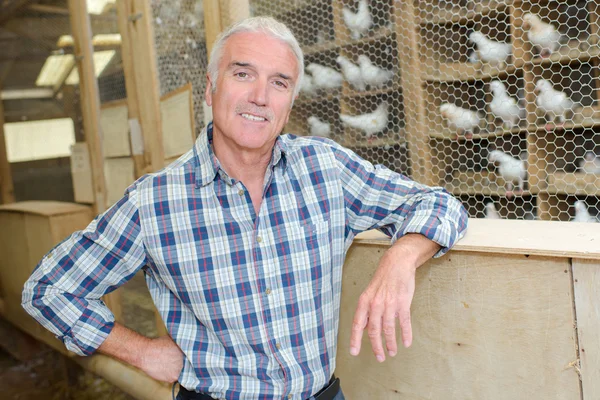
(254, 118)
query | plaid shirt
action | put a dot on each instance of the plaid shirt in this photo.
(252, 300)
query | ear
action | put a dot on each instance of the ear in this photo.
(208, 92)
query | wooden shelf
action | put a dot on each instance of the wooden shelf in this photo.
(382, 33)
(481, 183)
(461, 15)
(572, 52)
(450, 72)
(304, 100)
(446, 134)
(574, 183)
(352, 139)
(354, 93)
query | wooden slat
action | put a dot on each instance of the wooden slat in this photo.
(7, 191)
(485, 326)
(586, 283)
(142, 51)
(212, 22)
(544, 238)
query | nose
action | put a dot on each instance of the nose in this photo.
(259, 94)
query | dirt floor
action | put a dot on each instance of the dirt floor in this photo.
(45, 377)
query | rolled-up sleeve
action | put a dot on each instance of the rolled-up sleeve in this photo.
(64, 291)
(378, 198)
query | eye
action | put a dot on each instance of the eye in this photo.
(281, 84)
(241, 74)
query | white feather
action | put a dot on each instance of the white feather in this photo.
(510, 169)
(461, 119)
(307, 85)
(490, 51)
(318, 127)
(370, 123)
(503, 106)
(491, 212)
(581, 213)
(372, 74)
(358, 23)
(325, 77)
(545, 36)
(553, 103)
(352, 73)
(590, 163)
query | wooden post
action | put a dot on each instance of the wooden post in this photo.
(131, 88)
(135, 24)
(212, 23)
(90, 105)
(7, 192)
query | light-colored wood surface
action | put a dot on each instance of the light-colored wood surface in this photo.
(578, 183)
(120, 173)
(485, 326)
(130, 85)
(177, 116)
(212, 23)
(115, 129)
(81, 174)
(140, 32)
(546, 238)
(586, 283)
(90, 96)
(7, 193)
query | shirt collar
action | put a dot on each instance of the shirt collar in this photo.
(208, 166)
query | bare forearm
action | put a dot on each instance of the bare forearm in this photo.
(415, 248)
(125, 345)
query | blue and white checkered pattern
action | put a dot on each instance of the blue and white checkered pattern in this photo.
(252, 300)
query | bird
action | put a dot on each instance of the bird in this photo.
(370, 123)
(318, 127)
(503, 106)
(460, 119)
(491, 212)
(510, 169)
(325, 77)
(490, 51)
(553, 103)
(351, 72)
(582, 214)
(307, 85)
(541, 34)
(358, 23)
(590, 163)
(372, 74)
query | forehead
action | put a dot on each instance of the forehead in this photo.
(262, 51)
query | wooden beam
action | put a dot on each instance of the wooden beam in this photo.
(212, 22)
(90, 105)
(7, 192)
(143, 76)
(13, 9)
(51, 28)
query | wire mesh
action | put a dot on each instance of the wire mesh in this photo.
(496, 101)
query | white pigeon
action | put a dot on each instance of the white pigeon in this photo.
(358, 23)
(372, 74)
(462, 120)
(318, 127)
(582, 214)
(491, 212)
(553, 103)
(352, 73)
(490, 51)
(542, 35)
(590, 163)
(503, 106)
(510, 169)
(325, 77)
(370, 123)
(308, 86)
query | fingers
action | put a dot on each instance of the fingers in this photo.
(389, 331)
(358, 325)
(374, 329)
(406, 327)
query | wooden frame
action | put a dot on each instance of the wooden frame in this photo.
(165, 99)
(7, 191)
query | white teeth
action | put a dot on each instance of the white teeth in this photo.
(252, 117)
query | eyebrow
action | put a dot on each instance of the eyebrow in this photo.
(246, 64)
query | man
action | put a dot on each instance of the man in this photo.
(243, 240)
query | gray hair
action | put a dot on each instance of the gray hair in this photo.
(267, 25)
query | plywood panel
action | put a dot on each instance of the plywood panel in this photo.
(119, 175)
(586, 283)
(114, 121)
(485, 327)
(177, 116)
(81, 173)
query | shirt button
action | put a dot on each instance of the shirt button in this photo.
(268, 291)
(289, 396)
(241, 192)
(258, 239)
(278, 345)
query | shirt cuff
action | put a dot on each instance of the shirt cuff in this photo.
(89, 331)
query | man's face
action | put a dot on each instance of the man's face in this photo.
(255, 84)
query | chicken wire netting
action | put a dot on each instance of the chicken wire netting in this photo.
(496, 101)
